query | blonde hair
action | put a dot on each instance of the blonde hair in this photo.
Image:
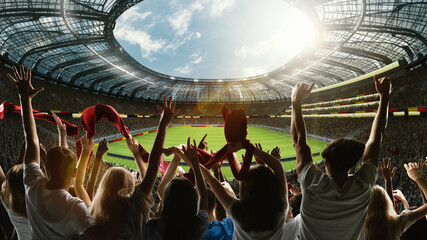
(13, 192)
(110, 199)
(381, 218)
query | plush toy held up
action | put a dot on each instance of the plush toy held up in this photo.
(235, 131)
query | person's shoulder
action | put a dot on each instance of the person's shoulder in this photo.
(31, 165)
(369, 165)
(67, 200)
(203, 215)
(138, 196)
(233, 202)
(33, 175)
(154, 223)
(309, 174)
(138, 202)
(404, 215)
(368, 172)
(31, 168)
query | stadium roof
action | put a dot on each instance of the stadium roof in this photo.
(73, 41)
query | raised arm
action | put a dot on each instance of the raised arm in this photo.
(133, 146)
(221, 194)
(2, 177)
(277, 167)
(415, 172)
(167, 113)
(170, 171)
(203, 144)
(399, 195)
(388, 174)
(298, 131)
(200, 181)
(372, 150)
(87, 147)
(216, 169)
(62, 131)
(220, 212)
(102, 149)
(26, 93)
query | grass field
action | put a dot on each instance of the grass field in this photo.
(216, 140)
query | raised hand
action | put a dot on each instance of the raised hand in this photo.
(87, 143)
(293, 189)
(23, 82)
(170, 150)
(257, 159)
(202, 144)
(399, 195)
(191, 154)
(276, 152)
(167, 113)
(62, 131)
(217, 167)
(386, 170)
(102, 147)
(132, 144)
(415, 170)
(301, 91)
(382, 85)
(228, 188)
(62, 128)
(43, 154)
(180, 172)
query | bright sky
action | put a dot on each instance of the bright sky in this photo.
(213, 38)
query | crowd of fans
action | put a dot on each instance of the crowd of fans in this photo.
(102, 201)
(410, 89)
(367, 97)
(53, 99)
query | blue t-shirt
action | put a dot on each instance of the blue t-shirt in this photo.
(222, 230)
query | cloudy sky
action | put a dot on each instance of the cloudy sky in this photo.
(213, 38)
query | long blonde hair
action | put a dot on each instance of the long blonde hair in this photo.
(381, 218)
(110, 199)
(13, 192)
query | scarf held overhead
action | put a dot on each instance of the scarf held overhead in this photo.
(6, 107)
(92, 115)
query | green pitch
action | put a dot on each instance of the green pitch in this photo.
(216, 140)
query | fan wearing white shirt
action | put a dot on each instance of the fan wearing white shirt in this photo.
(52, 212)
(334, 205)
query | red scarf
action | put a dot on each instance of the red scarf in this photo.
(6, 107)
(92, 115)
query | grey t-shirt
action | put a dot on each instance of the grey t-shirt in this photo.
(330, 212)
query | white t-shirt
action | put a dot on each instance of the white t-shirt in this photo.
(52, 214)
(277, 233)
(19, 222)
(292, 227)
(329, 212)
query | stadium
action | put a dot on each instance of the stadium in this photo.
(74, 51)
